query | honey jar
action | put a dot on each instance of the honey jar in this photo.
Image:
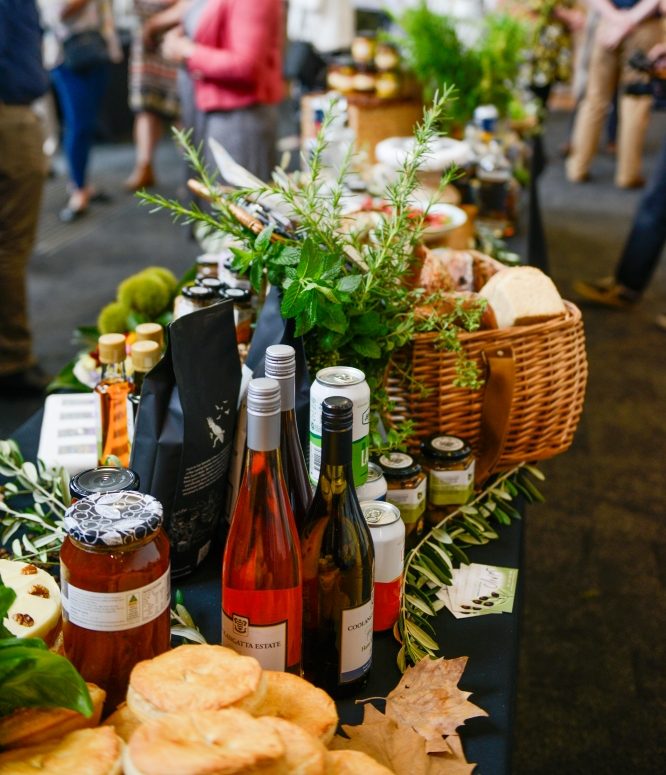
(449, 463)
(114, 572)
(406, 484)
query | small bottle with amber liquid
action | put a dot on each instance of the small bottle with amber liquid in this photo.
(338, 566)
(262, 595)
(281, 366)
(113, 390)
(145, 354)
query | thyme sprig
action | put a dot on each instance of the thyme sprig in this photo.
(429, 565)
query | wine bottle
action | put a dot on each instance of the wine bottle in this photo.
(262, 596)
(338, 566)
(113, 390)
(281, 366)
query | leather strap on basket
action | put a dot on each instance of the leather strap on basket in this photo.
(495, 409)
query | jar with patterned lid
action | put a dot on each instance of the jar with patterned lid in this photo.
(114, 572)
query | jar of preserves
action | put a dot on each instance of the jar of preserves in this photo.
(340, 75)
(449, 462)
(114, 573)
(363, 48)
(406, 488)
(387, 85)
(243, 312)
(208, 265)
(192, 298)
(103, 479)
(364, 79)
(386, 56)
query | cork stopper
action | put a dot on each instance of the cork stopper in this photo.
(111, 348)
(152, 332)
(145, 355)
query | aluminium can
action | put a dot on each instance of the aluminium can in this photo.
(388, 537)
(375, 486)
(350, 383)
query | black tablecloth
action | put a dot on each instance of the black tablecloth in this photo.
(490, 642)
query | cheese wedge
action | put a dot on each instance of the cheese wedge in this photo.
(36, 611)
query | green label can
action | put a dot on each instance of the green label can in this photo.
(350, 383)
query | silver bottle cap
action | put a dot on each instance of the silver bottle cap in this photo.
(280, 361)
(263, 397)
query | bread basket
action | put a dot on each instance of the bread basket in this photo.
(530, 402)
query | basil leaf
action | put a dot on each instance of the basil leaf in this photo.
(7, 597)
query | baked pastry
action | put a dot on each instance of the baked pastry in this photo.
(304, 754)
(194, 677)
(521, 295)
(350, 762)
(36, 612)
(293, 698)
(227, 741)
(123, 721)
(32, 726)
(84, 752)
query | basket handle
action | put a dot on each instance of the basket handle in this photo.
(495, 409)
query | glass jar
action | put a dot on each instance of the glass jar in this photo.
(406, 484)
(387, 85)
(114, 573)
(340, 75)
(363, 48)
(103, 479)
(364, 79)
(208, 265)
(192, 298)
(386, 57)
(243, 312)
(449, 462)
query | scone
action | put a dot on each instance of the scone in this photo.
(36, 612)
(297, 700)
(353, 763)
(84, 752)
(123, 721)
(228, 741)
(32, 726)
(304, 754)
(191, 678)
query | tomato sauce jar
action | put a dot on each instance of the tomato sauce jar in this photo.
(114, 574)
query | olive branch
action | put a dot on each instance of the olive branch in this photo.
(429, 565)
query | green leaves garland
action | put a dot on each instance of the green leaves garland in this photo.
(429, 564)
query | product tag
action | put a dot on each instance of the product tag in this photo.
(356, 641)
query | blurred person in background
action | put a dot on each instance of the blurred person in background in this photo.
(646, 241)
(235, 60)
(22, 172)
(625, 26)
(80, 45)
(153, 94)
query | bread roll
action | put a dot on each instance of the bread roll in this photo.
(32, 726)
(123, 721)
(194, 677)
(297, 700)
(522, 295)
(37, 609)
(350, 762)
(225, 741)
(304, 754)
(84, 752)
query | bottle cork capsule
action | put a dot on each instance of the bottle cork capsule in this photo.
(152, 332)
(145, 355)
(111, 348)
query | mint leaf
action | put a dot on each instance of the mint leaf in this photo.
(370, 324)
(349, 283)
(333, 317)
(289, 299)
(290, 256)
(256, 275)
(367, 347)
(264, 239)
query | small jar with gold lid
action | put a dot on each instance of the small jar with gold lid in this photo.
(449, 462)
(406, 484)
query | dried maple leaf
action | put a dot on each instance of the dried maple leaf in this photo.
(397, 747)
(429, 700)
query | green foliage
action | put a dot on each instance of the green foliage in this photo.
(146, 293)
(113, 318)
(429, 564)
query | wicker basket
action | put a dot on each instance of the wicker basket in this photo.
(531, 401)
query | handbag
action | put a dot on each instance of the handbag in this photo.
(84, 51)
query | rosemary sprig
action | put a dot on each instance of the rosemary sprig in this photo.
(429, 565)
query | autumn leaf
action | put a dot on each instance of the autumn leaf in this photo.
(428, 700)
(398, 747)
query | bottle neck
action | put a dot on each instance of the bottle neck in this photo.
(287, 390)
(336, 449)
(139, 377)
(263, 432)
(114, 371)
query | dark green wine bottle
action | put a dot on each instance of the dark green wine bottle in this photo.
(338, 566)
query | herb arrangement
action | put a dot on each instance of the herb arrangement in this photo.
(428, 565)
(352, 300)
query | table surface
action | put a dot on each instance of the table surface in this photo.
(490, 642)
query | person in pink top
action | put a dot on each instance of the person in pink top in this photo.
(235, 61)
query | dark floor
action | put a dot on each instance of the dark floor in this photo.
(592, 687)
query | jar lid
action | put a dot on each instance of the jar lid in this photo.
(111, 348)
(398, 465)
(198, 293)
(214, 283)
(239, 295)
(103, 479)
(145, 355)
(445, 447)
(113, 519)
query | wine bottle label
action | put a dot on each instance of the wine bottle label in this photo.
(264, 624)
(356, 641)
(116, 611)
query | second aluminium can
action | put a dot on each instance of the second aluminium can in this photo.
(350, 383)
(375, 487)
(388, 538)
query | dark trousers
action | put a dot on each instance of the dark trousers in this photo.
(648, 233)
(22, 173)
(80, 96)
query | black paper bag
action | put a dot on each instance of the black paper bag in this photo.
(185, 429)
(272, 328)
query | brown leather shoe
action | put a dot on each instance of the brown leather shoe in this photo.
(141, 177)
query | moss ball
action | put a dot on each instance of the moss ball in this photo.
(166, 275)
(145, 293)
(113, 318)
